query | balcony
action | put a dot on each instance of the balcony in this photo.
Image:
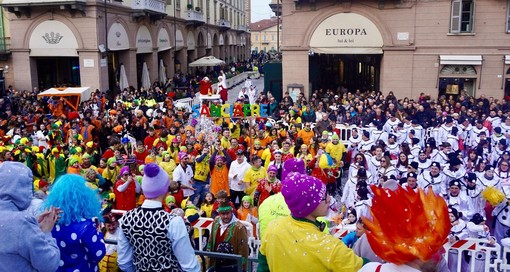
(5, 48)
(242, 28)
(156, 9)
(224, 24)
(24, 7)
(194, 17)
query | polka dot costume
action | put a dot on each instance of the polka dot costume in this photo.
(81, 246)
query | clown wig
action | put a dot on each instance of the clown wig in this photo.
(407, 225)
(74, 198)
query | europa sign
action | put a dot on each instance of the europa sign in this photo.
(346, 33)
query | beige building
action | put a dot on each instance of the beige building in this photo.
(408, 47)
(85, 42)
(264, 35)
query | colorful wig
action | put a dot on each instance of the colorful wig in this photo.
(74, 198)
(407, 225)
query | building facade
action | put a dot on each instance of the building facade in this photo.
(264, 35)
(85, 42)
(438, 47)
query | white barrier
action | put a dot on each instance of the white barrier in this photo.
(479, 250)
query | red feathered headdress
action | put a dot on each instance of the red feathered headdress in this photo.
(407, 225)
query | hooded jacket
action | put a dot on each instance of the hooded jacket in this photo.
(26, 247)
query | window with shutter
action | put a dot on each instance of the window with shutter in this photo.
(462, 16)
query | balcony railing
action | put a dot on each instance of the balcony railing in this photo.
(194, 16)
(241, 28)
(158, 6)
(5, 45)
(224, 24)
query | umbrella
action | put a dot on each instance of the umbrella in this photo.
(207, 61)
(146, 81)
(162, 72)
(123, 81)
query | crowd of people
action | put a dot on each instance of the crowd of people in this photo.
(226, 168)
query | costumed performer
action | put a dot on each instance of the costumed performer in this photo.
(407, 230)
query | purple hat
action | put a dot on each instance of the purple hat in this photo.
(302, 193)
(219, 157)
(272, 168)
(293, 165)
(155, 181)
(182, 154)
(124, 170)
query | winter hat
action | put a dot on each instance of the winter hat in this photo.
(124, 170)
(335, 137)
(72, 161)
(471, 177)
(272, 168)
(302, 193)
(455, 161)
(111, 160)
(247, 198)
(182, 154)
(455, 182)
(155, 181)
(414, 164)
(169, 199)
(477, 219)
(293, 165)
(366, 134)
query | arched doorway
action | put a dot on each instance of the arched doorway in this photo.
(455, 79)
(200, 45)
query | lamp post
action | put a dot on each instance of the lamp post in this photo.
(175, 36)
(278, 26)
(105, 53)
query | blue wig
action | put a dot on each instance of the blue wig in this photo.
(74, 198)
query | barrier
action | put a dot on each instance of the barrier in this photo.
(186, 103)
(202, 223)
(344, 132)
(480, 251)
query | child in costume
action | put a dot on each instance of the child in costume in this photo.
(247, 212)
(207, 205)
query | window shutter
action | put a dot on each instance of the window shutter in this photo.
(456, 16)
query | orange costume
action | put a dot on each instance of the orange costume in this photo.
(219, 179)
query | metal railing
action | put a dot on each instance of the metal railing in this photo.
(203, 254)
(152, 5)
(5, 44)
(193, 15)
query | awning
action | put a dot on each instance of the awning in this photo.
(117, 38)
(179, 40)
(143, 40)
(191, 41)
(163, 40)
(507, 59)
(347, 33)
(53, 39)
(460, 59)
(72, 96)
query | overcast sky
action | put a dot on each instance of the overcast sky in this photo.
(260, 10)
